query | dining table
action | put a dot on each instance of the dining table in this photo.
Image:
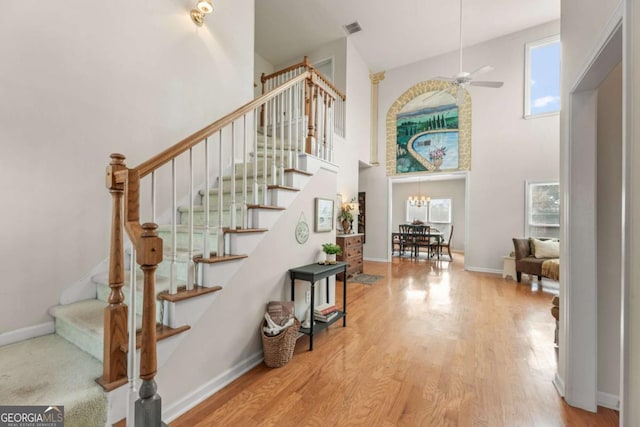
(411, 238)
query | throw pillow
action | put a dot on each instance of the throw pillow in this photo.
(546, 248)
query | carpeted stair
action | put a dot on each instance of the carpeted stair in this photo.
(61, 368)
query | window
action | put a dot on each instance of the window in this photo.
(542, 209)
(416, 213)
(435, 211)
(440, 211)
(542, 77)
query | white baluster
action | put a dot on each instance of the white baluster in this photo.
(255, 157)
(264, 152)
(206, 245)
(132, 367)
(153, 196)
(296, 120)
(274, 148)
(190, 267)
(244, 220)
(281, 160)
(289, 125)
(220, 249)
(173, 277)
(232, 207)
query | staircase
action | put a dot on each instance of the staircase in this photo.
(254, 163)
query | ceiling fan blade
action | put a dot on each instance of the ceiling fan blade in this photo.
(486, 84)
(481, 70)
(460, 97)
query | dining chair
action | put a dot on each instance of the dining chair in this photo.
(422, 239)
(438, 246)
(406, 237)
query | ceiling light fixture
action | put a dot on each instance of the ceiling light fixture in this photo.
(203, 7)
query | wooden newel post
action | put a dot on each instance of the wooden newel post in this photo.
(115, 314)
(309, 112)
(148, 409)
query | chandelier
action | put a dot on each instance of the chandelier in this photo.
(418, 201)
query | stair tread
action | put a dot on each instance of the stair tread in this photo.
(245, 230)
(216, 259)
(49, 369)
(275, 208)
(282, 187)
(298, 171)
(184, 293)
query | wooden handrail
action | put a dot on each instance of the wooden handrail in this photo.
(328, 83)
(165, 156)
(305, 63)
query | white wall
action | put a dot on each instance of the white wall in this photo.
(358, 127)
(228, 333)
(260, 65)
(609, 223)
(506, 149)
(453, 189)
(631, 307)
(583, 24)
(336, 50)
(81, 80)
(351, 76)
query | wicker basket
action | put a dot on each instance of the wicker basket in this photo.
(278, 350)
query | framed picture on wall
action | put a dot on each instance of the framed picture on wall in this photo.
(323, 219)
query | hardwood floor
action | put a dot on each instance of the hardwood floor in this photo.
(427, 345)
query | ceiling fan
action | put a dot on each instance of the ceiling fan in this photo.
(463, 78)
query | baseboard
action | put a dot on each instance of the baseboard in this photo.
(608, 400)
(559, 384)
(484, 270)
(375, 259)
(208, 389)
(34, 331)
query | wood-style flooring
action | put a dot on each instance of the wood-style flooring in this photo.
(428, 345)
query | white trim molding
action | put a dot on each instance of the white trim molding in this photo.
(22, 334)
(608, 400)
(173, 411)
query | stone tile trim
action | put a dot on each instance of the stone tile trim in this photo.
(464, 124)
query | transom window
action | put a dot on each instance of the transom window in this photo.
(542, 77)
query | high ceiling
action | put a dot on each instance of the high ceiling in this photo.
(393, 33)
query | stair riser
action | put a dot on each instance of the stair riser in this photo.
(181, 267)
(92, 344)
(199, 217)
(182, 238)
(104, 291)
(213, 197)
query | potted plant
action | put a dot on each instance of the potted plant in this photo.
(346, 217)
(331, 250)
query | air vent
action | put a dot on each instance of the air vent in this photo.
(353, 28)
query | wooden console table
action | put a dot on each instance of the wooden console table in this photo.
(313, 273)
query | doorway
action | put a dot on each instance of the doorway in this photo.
(592, 238)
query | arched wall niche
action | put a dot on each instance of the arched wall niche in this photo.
(427, 132)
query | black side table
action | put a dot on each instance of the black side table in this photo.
(313, 273)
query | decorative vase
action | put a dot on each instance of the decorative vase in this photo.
(346, 226)
(331, 259)
(437, 163)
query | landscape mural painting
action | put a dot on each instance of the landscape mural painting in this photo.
(427, 134)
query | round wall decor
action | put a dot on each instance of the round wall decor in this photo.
(302, 230)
